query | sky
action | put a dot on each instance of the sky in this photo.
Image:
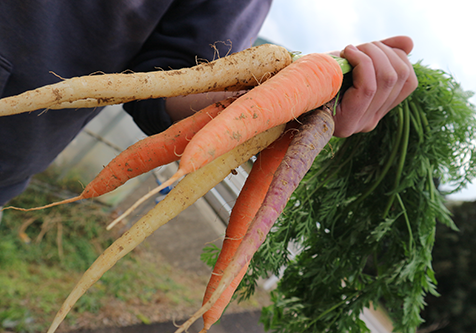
(442, 32)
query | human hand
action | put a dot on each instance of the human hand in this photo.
(382, 78)
(184, 106)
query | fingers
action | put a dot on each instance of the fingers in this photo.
(406, 78)
(356, 99)
(382, 78)
(403, 43)
(391, 71)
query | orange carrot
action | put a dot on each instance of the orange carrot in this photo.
(145, 155)
(245, 208)
(306, 84)
(313, 135)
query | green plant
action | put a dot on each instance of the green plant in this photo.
(364, 217)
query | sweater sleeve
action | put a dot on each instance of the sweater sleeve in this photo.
(193, 30)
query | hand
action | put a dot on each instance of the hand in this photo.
(181, 107)
(382, 78)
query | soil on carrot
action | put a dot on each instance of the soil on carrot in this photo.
(44, 253)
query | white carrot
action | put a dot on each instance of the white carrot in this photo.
(238, 71)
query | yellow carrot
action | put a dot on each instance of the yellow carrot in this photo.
(187, 191)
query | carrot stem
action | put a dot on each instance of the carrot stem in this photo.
(343, 63)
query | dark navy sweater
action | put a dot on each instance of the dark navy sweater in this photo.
(75, 38)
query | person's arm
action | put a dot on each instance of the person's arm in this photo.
(183, 106)
(382, 78)
(191, 32)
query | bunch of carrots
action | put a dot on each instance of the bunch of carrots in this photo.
(273, 118)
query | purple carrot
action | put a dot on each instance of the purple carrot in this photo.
(312, 136)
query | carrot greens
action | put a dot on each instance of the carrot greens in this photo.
(365, 216)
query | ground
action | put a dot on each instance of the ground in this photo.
(176, 247)
(163, 281)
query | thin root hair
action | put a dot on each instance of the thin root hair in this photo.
(265, 77)
(212, 241)
(128, 71)
(175, 149)
(174, 323)
(57, 75)
(216, 54)
(235, 239)
(44, 111)
(199, 61)
(97, 73)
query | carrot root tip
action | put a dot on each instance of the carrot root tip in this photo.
(156, 190)
(79, 197)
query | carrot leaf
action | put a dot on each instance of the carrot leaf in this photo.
(210, 254)
(365, 216)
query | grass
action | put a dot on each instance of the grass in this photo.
(39, 267)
